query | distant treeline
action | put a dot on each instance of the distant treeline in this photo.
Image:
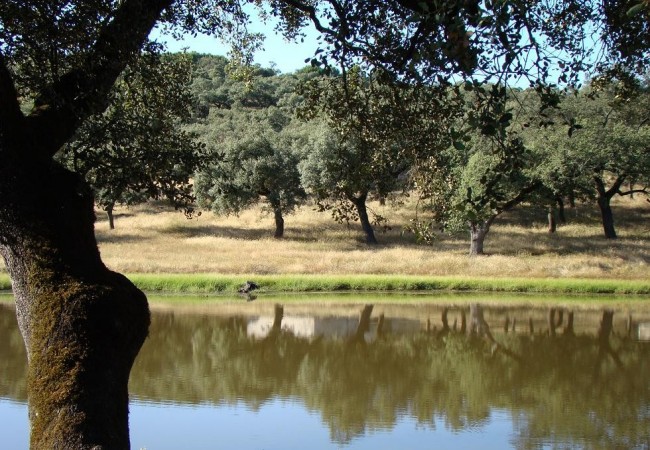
(210, 135)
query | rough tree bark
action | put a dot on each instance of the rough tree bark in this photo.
(552, 224)
(607, 217)
(82, 324)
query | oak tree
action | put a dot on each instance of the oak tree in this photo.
(149, 105)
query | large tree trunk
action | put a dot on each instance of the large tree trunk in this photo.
(362, 210)
(82, 324)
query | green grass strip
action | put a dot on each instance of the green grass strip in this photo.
(206, 283)
(227, 284)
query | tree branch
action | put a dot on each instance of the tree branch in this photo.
(634, 191)
(82, 92)
(310, 11)
(341, 35)
(520, 197)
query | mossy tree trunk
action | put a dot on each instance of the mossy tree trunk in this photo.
(82, 324)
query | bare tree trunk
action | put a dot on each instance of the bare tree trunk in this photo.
(604, 197)
(552, 225)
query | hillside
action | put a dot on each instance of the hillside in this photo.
(153, 239)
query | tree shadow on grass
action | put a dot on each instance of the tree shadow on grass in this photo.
(101, 216)
(196, 231)
(111, 237)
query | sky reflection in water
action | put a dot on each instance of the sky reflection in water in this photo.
(287, 425)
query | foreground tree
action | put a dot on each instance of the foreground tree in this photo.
(348, 158)
(494, 179)
(82, 324)
(486, 173)
(371, 134)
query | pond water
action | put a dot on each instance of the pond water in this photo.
(283, 374)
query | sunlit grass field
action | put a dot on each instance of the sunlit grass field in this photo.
(154, 239)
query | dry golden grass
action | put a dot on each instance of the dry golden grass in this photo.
(152, 239)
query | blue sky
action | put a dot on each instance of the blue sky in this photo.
(287, 56)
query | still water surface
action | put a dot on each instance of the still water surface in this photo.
(255, 376)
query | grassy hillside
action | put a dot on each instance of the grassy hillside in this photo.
(155, 240)
(215, 253)
(151, 239)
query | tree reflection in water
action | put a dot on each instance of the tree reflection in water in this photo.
(586, 387)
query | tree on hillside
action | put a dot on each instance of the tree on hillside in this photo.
(149, 103)
(249, 141)
(216, 85)
(250, 159)
(487, 172)
(371, 135)
(608, 153)
(82, 324)
(346, 160)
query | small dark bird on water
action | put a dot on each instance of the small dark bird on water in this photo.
(247, 288)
